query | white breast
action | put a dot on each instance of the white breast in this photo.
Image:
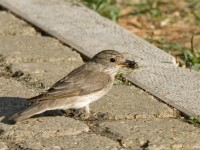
(85, 100)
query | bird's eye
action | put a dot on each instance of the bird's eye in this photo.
(112, 59)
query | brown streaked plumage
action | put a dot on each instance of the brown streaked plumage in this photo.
(80, 87)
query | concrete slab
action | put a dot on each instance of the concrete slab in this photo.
(76, 142)
(155, 134)
(129, 102)
(35, 49)
(178, 87)
(43, 127)
(11, 25)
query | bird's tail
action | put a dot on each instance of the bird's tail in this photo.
(27, 113)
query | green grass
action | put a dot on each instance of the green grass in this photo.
(194, 6)
(106, 8)
(146, 7)
(166, 45)
(192, 57)
(194, 120)
(119, 79)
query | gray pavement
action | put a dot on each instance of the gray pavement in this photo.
(89, 33)
(42, 59)
(76, 142)
(11, 25)
(48, 127)
(129, 102)
(155, 134)
(135, 119)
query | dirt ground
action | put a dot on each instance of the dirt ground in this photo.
(168, 24)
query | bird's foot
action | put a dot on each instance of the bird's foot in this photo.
(72, 113)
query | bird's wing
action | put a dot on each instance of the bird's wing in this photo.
(79, 82)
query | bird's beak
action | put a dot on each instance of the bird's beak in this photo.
(128, 64)
(123, 64)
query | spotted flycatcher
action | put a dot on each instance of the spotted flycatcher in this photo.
(80, 87)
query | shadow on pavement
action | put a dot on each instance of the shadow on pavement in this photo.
(11, 105)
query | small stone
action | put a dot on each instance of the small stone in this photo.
(3, 146)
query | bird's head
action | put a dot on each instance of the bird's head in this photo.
(110, 59)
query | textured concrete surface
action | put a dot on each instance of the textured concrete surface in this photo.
(43, 127)
(35, 49)
(26, 59)
(41, 59)
(11, 88)
(129, 102)
(157, 134)
(45, 72)
(179, 87)
(11, 25)
(3, 146)
(76, 142)
(89, 33)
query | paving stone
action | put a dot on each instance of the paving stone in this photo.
(76, 142)
(155, 134)
(129, 102)
(11, 25)
(13, 88)
(43, 127)
(46, 72)
(43, 59)
(28, 49)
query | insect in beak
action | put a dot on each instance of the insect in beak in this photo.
(132, 64)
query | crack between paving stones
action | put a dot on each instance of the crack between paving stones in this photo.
(93, 123)
(20, 76)
(104, 132)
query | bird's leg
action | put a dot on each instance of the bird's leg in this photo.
(90, 115)
(87, 111)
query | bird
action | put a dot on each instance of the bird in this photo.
(79, 88)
